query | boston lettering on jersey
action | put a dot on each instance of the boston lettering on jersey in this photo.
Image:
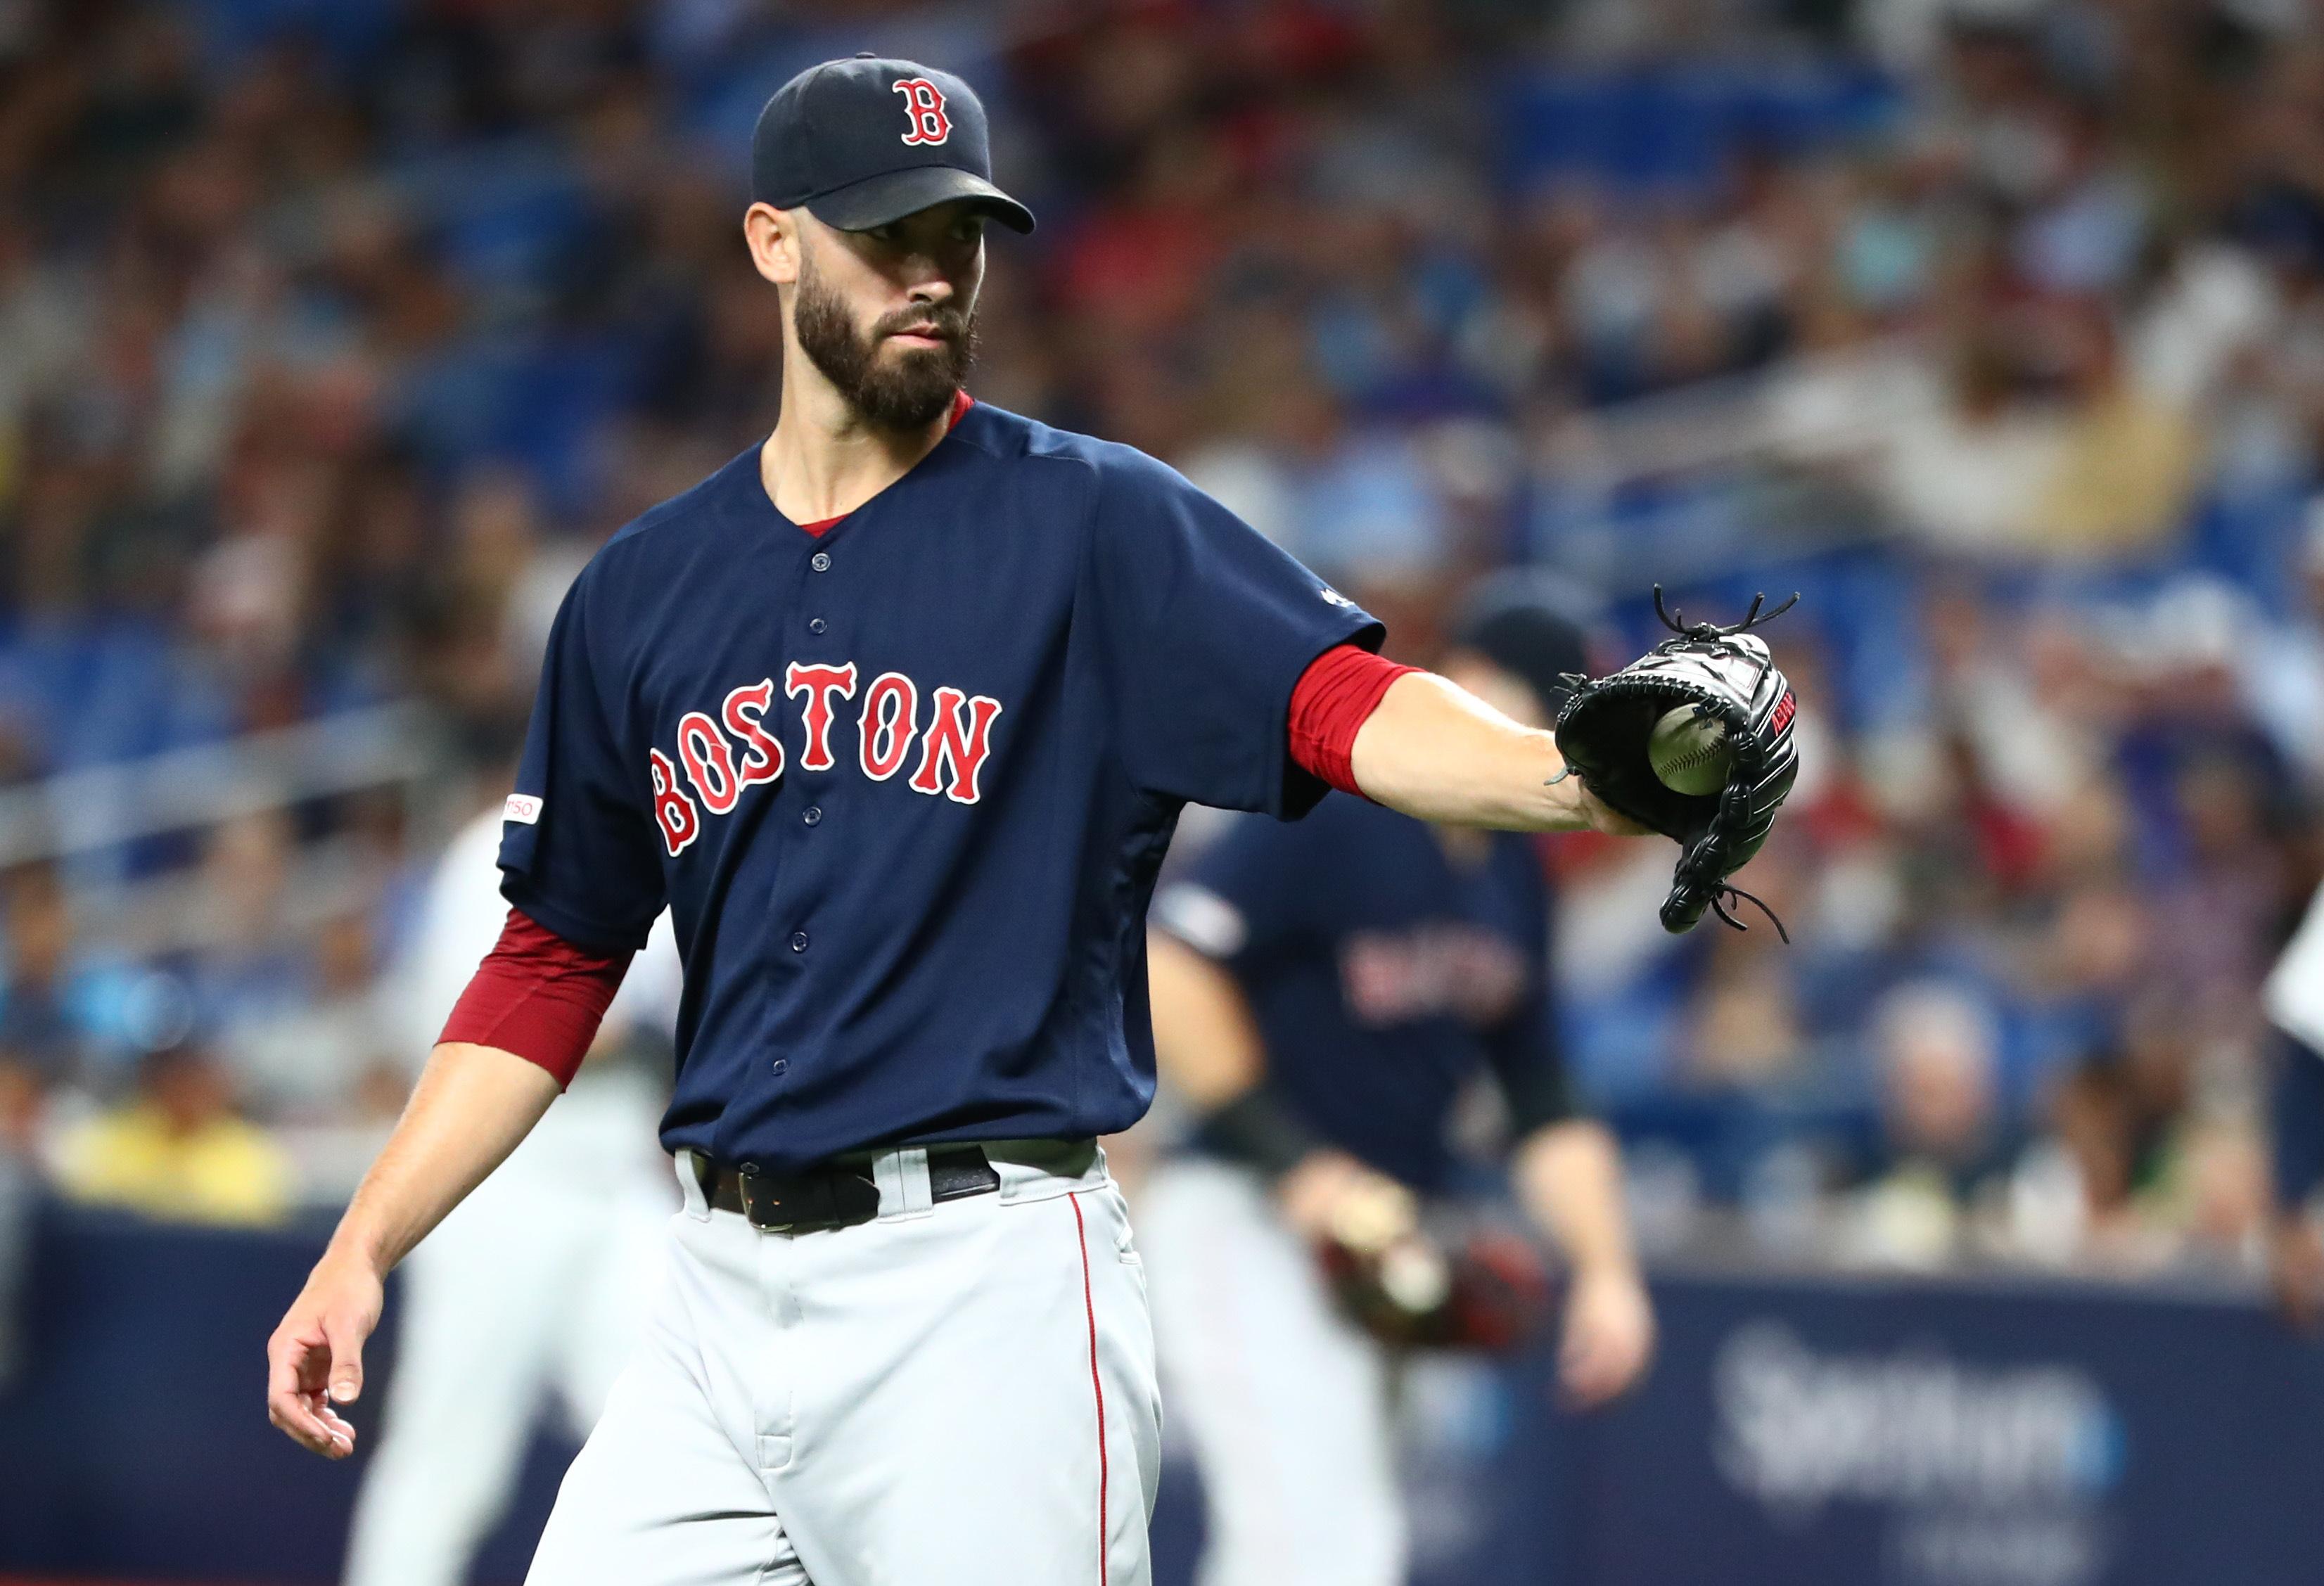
(722, 757)
(904, 784)
(1383, 975)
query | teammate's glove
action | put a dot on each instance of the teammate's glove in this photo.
(1481, 1288)
(1722, 673)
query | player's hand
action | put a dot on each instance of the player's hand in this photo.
(315, 1359)
(1610, 1335)
(1584, 811)
(1604, 817)
(2296, 1265)
(1331, 1195)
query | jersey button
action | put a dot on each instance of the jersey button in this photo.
(798, 941)
(780, 1066)
(816, 624)
(812, 814)
(820, 561)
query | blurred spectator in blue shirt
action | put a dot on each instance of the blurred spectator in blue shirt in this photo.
(64, 1012)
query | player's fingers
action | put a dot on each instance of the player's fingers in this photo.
(2298, 1300)
(2298, 1275)
(1583, 1390)
(2289, 1303)
(345, 1336)
(285, 1362)
(296, 1410)
(1604, 817)
(1605, 1349)
(313, 1429)
(1627, 1361)
(1589, 1369)
(1600, 1377)
(342, 1431)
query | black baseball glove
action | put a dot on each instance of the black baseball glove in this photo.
(1724, 674)
(1452, 1287)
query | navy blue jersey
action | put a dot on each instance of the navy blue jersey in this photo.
(905, 786)
(1383, 975)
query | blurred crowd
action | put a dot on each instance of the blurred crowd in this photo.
(334, 336)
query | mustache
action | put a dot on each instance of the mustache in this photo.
(950, 324)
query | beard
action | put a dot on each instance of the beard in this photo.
(904, 388)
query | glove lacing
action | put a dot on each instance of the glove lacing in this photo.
(1711, 637)
(1705, 636)
(1708, 635)
(1722, 890)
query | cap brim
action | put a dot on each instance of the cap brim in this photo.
(877, 200)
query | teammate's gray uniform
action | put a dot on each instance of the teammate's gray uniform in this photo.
(2293, 996)
(537, 1283)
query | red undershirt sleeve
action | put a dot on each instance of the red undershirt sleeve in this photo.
(538, 995)
(1333, 698)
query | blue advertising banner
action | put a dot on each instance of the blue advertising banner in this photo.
(1942, 1433)
(1809, 1433)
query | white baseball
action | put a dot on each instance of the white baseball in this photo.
(1689, 754)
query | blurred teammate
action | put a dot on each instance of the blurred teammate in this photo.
(537, 1285)
(1323, 993)
(2295, 1001)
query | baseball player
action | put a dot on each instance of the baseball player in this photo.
(538, 1283)
(895, 714)
(1323, 993)
(2293, 999)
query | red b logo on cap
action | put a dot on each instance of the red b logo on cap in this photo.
(925, 103)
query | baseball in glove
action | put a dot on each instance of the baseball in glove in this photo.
(1739, 699)
(1474, 1288)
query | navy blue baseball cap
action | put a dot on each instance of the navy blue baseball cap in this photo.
(864, 141)
(1533, 623)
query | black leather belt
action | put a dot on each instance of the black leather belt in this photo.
(837, 1194)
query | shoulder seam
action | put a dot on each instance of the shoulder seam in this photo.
(1027, 453)
(663, 513)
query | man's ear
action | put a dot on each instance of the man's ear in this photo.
(773, 237)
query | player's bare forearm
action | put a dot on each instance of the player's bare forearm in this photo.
(472, 1105)
(1436, 752)
(1570, 1177)
(1205, 1041)
(1209, 1048)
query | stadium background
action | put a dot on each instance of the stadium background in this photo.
(335, 334)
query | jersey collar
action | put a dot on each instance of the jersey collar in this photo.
(960, 404)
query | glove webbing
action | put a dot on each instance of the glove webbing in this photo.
(1708, 635)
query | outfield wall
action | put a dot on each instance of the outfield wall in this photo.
(1810, 1432)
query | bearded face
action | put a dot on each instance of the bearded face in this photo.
(890, 384)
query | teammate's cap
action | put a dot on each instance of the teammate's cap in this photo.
(864, 141)
(1532, 624)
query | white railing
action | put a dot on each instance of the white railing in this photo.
(184, 789)
(1808, 409)
(1822, 407)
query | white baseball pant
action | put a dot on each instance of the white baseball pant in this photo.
(1286, 1402)
(960, 1393)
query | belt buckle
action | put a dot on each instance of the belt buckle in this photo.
(807, 1203)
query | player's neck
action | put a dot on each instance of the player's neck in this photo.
(823, 460)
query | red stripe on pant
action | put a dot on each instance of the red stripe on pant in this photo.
(1097, 1382)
